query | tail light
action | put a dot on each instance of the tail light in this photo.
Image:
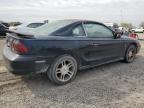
(18, 47)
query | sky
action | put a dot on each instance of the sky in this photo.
(118, 11)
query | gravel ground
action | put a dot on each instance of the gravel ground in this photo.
(140, 35)
(116, 85)
(1, 47)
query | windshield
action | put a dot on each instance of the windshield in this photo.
(51, 27)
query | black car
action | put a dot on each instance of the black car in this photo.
(60, 48)
(3, 30)
(5, 24)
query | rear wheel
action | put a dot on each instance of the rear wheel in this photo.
(63, 70)
(130, 54)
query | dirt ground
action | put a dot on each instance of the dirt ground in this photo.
(141, 36)
(116, 85)
(1, 47)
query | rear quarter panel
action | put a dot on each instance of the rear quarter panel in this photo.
(52, 47)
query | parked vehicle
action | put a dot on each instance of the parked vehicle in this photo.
(60, 48)
(5, 24)
(133, 35)
(3, 30)
(26, 27)
(113, 26)
(138, 30)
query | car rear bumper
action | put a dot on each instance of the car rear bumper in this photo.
(24, 64)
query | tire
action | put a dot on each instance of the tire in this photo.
(130, 54)
(63, 70)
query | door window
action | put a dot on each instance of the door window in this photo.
(78, 31)
(97, 31)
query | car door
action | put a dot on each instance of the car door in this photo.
(99, 45)
(2, 29)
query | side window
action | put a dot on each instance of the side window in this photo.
(97, 30)
(78, 31)
(32, 25)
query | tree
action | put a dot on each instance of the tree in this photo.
(127, 25)
(142, 24)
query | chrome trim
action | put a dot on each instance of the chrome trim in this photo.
(42, 61)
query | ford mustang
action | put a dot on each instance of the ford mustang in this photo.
(61, 48)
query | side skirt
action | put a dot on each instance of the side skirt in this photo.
(91, 66)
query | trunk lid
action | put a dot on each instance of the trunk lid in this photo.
(17, 34)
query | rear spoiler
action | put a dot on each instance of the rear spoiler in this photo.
(20, 35)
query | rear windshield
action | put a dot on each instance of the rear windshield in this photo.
(51, 27)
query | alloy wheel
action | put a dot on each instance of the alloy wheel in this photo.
(65, 70)
(131, 54)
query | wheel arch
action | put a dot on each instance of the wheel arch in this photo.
(70, 53)
(135, 44)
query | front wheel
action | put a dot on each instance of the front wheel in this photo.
(130, 54)
(63, 70)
